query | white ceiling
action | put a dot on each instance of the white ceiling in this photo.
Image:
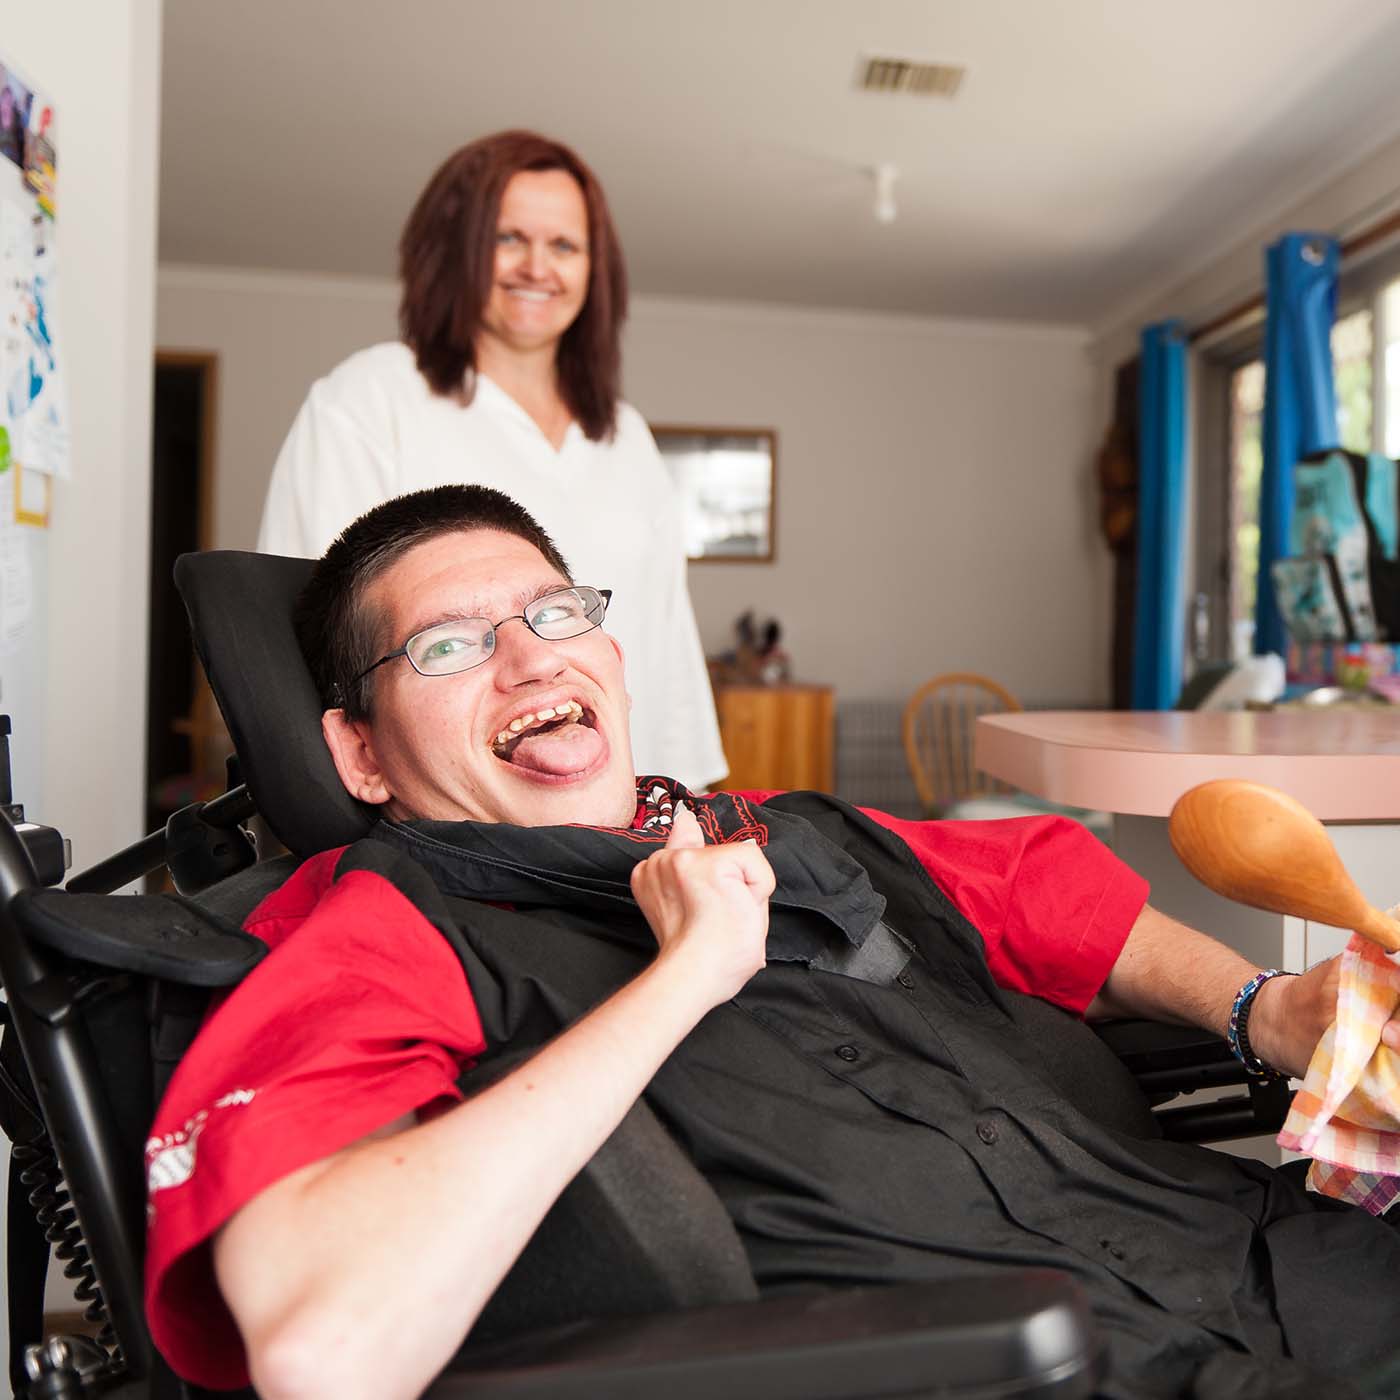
(1096, 149)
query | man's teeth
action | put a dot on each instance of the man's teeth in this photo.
(569, 710)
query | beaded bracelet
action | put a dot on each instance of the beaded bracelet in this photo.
(1237, 1033)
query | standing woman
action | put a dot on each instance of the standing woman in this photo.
(507, 375)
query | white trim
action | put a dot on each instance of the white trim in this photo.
(1226, 334)
(1379, 336)
(197, 278)
(279, 282)
(645, 306)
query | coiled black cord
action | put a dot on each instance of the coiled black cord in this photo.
(42, 1177)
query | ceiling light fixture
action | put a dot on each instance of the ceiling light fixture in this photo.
(885, 174)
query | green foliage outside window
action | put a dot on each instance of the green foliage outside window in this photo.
(1351, 369)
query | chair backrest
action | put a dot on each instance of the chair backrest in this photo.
(240, 609)
(939, 722)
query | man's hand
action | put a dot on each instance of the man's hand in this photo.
(708, 904)
(1291, 1014)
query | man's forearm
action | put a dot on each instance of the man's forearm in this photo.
(1170, 972)
(401, 1240)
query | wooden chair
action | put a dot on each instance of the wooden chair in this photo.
(939, 723)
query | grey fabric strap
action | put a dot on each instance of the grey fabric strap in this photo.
(879, 960)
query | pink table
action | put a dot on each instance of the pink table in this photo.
(1342, 764)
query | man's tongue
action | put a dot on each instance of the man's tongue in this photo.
(559, 752)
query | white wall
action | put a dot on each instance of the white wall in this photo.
(101, 66)
(934, 500)
(933, 507)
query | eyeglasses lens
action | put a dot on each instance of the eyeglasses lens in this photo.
(568, 613)
(459, 645)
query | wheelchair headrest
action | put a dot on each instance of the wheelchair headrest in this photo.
(240, 610)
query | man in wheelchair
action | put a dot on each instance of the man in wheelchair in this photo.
(820, 1004)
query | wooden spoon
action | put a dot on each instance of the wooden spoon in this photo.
(1258, 846)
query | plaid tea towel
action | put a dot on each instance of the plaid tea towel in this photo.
(1347, 1114)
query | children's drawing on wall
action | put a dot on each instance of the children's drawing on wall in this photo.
(35, 401)
(41, 157)
(15, 103)
(16, 585)
(33, 396)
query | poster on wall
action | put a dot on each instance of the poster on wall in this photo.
(33, 393)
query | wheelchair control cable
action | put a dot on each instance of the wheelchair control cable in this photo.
(42, 1177)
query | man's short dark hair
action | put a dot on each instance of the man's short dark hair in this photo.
(339, 632)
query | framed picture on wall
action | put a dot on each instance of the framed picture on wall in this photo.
(727, 479)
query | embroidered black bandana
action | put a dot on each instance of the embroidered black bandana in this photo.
(824, 897)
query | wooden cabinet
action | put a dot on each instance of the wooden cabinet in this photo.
(778, 736)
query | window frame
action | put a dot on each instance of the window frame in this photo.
(1214, 575)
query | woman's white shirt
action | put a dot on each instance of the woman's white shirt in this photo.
(373, 429)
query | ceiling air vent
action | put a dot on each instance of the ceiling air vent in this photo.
(906, 76)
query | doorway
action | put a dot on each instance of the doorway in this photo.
(185, 739)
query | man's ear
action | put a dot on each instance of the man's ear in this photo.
(622, 662)
(348, 741)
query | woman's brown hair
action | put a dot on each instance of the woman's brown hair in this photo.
(447, 263)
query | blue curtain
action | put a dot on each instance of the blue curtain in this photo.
(1159, 618)
(1300, 408)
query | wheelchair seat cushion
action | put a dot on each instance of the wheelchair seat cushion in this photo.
(639, 1230)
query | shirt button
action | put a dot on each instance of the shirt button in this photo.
(987, 1132)
(905, 981)
(848, 1052)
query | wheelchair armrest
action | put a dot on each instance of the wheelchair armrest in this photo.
(156, 935)
(989, 1335)
(1170, 1060)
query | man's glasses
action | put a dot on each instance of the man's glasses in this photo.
(449, 647)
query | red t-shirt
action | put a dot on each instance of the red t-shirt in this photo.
(362, 1014)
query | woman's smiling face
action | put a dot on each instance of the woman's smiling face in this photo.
(540, 280)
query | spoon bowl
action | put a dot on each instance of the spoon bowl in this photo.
(1258, 846)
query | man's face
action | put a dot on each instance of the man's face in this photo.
(430, 750)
